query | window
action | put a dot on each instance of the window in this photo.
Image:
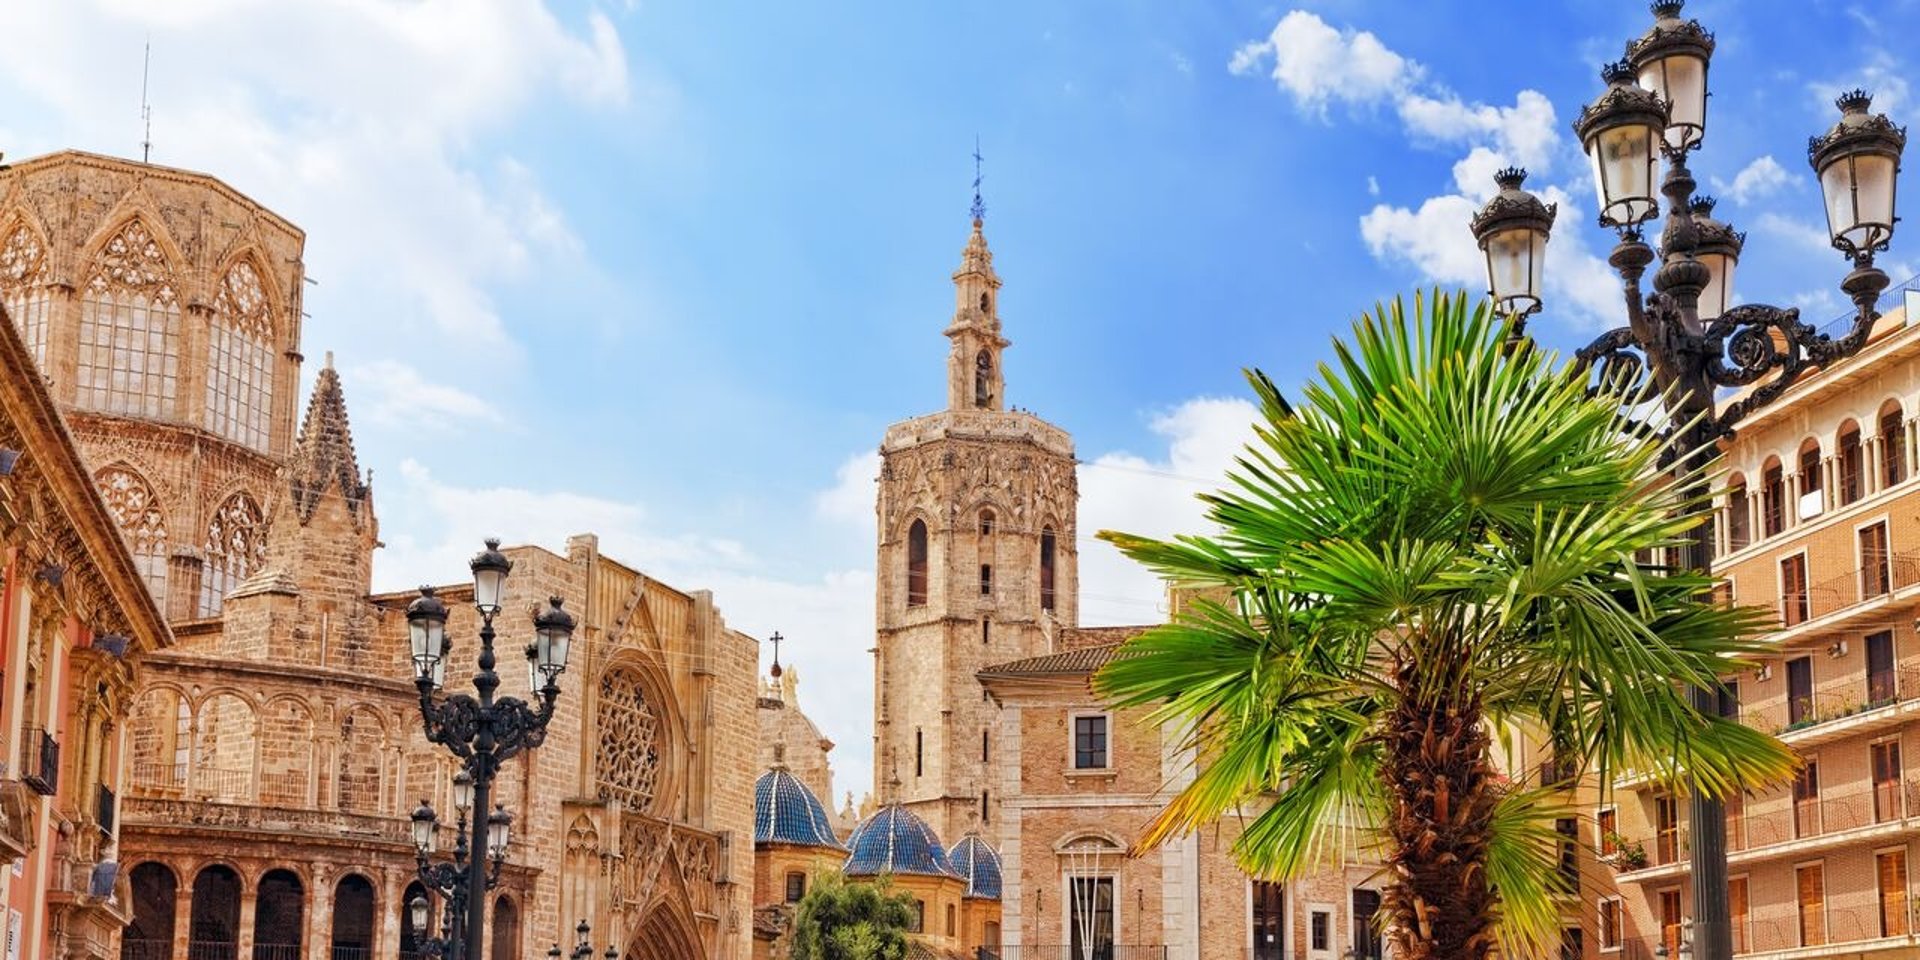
(986, 631)
(951, 926)
(1572, 944)
(1047, 548)
(23, 290)
(1884, 757)
(1882, 688)
(1569, 830)
(1670, 920)
(1610, 923)
(983, 746)
(1666, 830)
(982, 380)
(1739, 916)
(986, 808)
(986, 523)
(1366, 933)
(1090, 742)
(236, 546)
(1735, 807)
(1810, 887)
(1728, 699)
(1773, 497)
(1269, 920)
(992, 936)
(1793, 589)
(1851, 479)
(129, 361)
(986, 579)
(1876, 570)
(1891, 870)
(1090, 924)
(1799, 690)
(1608, 822)
(919, 917)
(1893, 445)
(919, 752)
(917, 564)
(1739, 517)
(1806, 800)
(1320, 928)
(1810, 468)
(240, 359)
(136, 511)
(796, 886)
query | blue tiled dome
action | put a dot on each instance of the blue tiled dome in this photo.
(975, 860)
(785, 811)
(895, 841)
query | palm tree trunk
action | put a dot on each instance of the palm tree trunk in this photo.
(1442, 790)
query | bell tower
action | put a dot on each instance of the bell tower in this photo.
(976, 565)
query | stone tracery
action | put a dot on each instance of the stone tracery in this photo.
(239, 401)
(236, 546)
(137, 512)
(130, 328)
(629, 732)
(23, 277)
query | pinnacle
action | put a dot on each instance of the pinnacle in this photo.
(323, 455)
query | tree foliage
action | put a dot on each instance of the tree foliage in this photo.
(1435, 550)
(839, 919)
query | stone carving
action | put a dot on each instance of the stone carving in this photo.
(629, 755)
(133, 261)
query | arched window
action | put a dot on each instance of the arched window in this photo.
(240, 359)
(982, 379)
(236, 546)
(150, 935)
(23, 288)
(1810, 479)
(1739, 518)
(287, 736)
(1047, 549)
(353, 918)
(983, 547)
(1893, 444)
(1773, 498)
(506, 930)
(917, 564)
(277, 920)
(137, 512)
(130, 329)
(215, 915)
(985, 303)
(1852, 468)
(362, 747)
(629, 731)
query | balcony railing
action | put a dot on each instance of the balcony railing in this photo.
(1850, 589)
(1781, 821)
(212, 950)
(40, 762)
(344, 952)
(131, 949)
(1840, 700)
(1061, 951)
(276, 951)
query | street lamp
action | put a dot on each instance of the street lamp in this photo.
(583, 950)
(1687, 339)
(483, 732)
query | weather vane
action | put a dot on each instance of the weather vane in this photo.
(979, 207)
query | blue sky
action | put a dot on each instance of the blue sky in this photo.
(666, 270)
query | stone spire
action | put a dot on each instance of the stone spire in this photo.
(974, 378)
(323, 455)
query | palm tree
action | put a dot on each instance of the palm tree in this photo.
(1437, 550)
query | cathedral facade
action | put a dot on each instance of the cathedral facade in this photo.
(274, 751)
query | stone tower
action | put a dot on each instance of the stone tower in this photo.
(163, 308)
(977, 565)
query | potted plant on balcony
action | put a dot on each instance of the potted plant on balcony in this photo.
(1627, 854)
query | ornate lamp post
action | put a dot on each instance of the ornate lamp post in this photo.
(583, 950)
(483, 732)
(1685, 338)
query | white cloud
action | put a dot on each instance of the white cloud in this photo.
(1373, 186)
(1153, 496)
(851, 498)
(1526, 133)
(1755, 181)
(1881, 75)
(1795, 231)
(391, 393)
(1318, 64)
(365, 136)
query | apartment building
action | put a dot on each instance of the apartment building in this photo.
(1820, 524)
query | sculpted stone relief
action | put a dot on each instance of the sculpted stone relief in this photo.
(629, 755)
(1029, 485)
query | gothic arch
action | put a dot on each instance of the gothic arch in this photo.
(287, 752)
(637, 731)
(236, 546)
(131, 308)
(225, 745)
(137, 511)
(361, 772)
(240, 353)
(26, 268)
(666, 928)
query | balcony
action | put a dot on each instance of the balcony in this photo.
(40, 762)
(1833, 601)
(105, 808)
(1863, 704)
(217, 817)
(1780, 829)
